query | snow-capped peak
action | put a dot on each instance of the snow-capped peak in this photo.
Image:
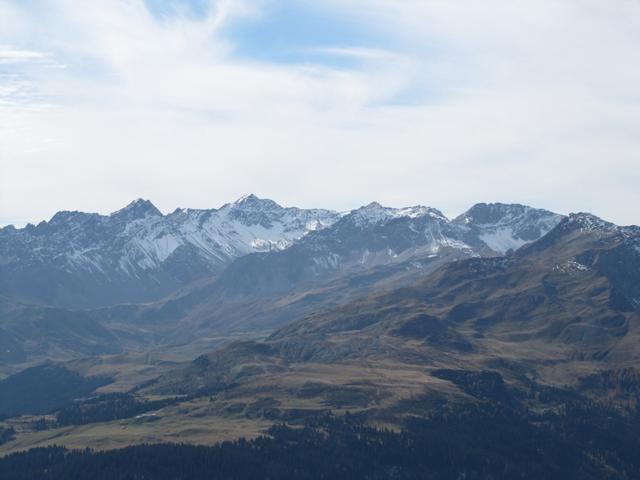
(374, 213)
(504, 227)
(421, 211)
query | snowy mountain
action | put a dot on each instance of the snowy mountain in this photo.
(376, 236)
(505, 227)
(374, 231)
(248, 225)
(137, 254)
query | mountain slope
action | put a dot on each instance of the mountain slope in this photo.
(578, 286)
(557, 312)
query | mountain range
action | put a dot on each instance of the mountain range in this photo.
(137, 254)
(203, 325)
(137, 279)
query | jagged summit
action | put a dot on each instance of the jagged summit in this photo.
(65, 216)
(252, 202)
(251, 199)
(138, 208)
(371, 206)
(371, 213)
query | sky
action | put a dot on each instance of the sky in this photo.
(334, 104)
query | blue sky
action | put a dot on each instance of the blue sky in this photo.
(296, 32)
(167, 8)
(281, 31)
(334, 103)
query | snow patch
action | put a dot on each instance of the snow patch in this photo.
(502, 240)
(571, 266)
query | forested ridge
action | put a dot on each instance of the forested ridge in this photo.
(485, 441)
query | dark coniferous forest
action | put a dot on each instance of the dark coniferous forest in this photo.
(485, 441)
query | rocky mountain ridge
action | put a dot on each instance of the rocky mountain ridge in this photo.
(137, 254)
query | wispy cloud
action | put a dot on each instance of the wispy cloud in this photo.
(12, 55)
(403, 101)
